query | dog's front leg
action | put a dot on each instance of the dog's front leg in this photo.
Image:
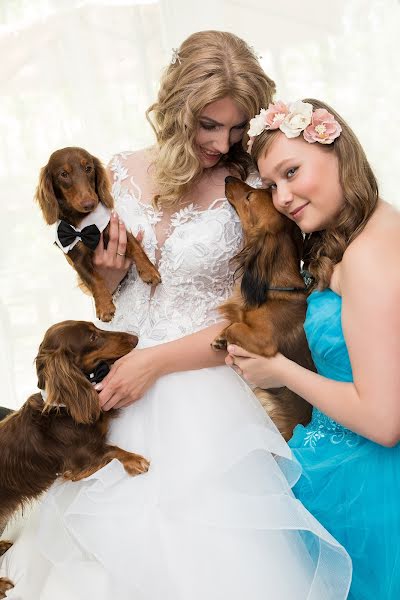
(81, 259)
(145, 268)
(252, 339)
(220, 342)
(134, 464)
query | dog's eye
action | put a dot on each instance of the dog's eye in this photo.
(64, 174)
(248, 197)
(93, 336)
(88, 169)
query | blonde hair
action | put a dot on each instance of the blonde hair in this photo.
(324, 249)
(211, 66)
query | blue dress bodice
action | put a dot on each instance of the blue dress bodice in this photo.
(349, 483)
(323, 327)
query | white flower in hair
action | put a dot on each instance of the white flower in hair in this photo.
(299, 117)
(317, 125)
(258, 123)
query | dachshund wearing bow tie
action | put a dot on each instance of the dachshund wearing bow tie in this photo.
(62, 432)
(74, 192)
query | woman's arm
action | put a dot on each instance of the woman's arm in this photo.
(371, 326)
(133, 374)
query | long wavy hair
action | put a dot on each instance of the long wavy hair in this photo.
(211, 65)
(324, 249)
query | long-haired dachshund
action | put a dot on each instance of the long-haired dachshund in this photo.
(267, 314)
(74, 191)
(61, 432)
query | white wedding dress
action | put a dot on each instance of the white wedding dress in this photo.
(214, 518)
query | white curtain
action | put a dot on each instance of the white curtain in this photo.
(83, 72)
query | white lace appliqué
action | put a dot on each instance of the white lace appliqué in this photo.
(194, 263)
(323, 427)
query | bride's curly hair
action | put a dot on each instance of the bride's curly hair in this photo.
(210, 65)
(324, 249)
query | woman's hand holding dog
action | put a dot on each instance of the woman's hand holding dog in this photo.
(129, 378)
(111, 262)
(257, 370)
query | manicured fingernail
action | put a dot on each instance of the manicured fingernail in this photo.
(114, 213)
(98, 387)
(231, 349)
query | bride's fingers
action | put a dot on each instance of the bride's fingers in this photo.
(111, 403)
(121, 245)
(98, 254)
(113, 236)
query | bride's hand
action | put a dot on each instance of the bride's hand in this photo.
(111, 262)
(129, 378)
(257, 370)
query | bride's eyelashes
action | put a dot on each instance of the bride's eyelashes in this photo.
(213, 127)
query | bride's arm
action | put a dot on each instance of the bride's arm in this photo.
(133, 374)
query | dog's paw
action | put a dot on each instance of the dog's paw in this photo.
(105, 313)
(5, 585)
(150, 275)
(4, 546)
(136, 465)
(220, 343)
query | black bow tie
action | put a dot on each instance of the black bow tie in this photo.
(89, 235)
(98, 373)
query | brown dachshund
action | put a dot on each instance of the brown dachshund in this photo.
(268, 312)
(72, 186)
(65, 434)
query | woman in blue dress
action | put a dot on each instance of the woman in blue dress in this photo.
(319, 177)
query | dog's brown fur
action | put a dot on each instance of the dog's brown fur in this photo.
(65, 435)
(264, 321)
(70, 186)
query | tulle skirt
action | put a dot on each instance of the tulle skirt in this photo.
(352, 486)
(213, 518)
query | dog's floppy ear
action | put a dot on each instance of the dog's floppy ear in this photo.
(65, 384)
(298, 240)
(102, 184)
(46, 197)
(258, 268)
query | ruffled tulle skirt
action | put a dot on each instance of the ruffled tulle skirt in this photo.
(213, 518)
(352, 486)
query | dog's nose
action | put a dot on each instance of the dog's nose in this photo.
(230, 179)
(88, 205)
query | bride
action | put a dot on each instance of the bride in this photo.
(214, 518)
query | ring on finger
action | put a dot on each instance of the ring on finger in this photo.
(120, 254)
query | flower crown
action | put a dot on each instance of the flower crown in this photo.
(317, 125)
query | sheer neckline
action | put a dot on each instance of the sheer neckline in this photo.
(175, 220)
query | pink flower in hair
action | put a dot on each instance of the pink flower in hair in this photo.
(323, 128)
(276, 114)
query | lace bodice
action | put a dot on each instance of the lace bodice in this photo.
(194, 261)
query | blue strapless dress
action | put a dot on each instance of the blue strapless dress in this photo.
(350, 484)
